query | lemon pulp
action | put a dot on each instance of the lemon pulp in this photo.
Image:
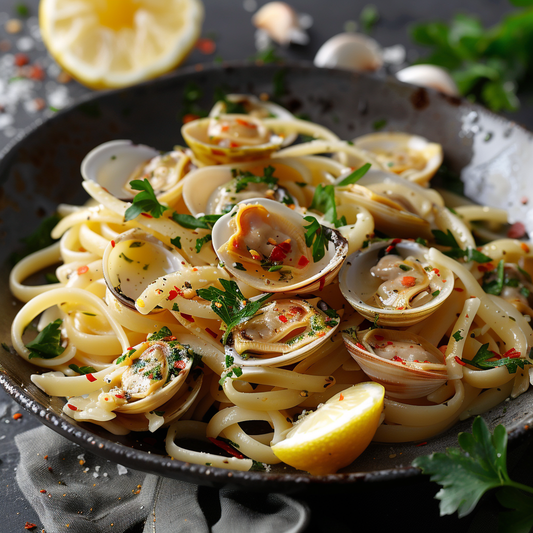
(116, 14)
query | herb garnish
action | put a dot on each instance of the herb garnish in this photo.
(496, 285)
(201, 241)
(230, 304)
(82, 369)
(324, 202)
(511, 363)
(47, 344)
(317, 237)
(465, 475)
(355, 176)
(244, 177)
(235, 371)
(176, 241)
(456, 252)
(191, 222)
(144, 201)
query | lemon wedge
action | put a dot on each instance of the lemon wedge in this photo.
(115, 43)
(336, 433)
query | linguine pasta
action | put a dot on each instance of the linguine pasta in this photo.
(240, 280)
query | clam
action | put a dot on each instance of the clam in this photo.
(404, 363)
(390, 212)
(283, 332)
(352, 51)
(229, 138)
(392, 283)
(215, 190)
(134, 260)
(410, 156)
(263, 243)
(429, 76)
(114, 164)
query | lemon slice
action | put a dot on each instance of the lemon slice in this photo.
(336, 433)
(115, 43)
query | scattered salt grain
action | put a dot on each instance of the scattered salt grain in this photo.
(249, 5)
(122, 470)
(24, 44)
(58, 97)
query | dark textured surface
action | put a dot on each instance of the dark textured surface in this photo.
(71, 134)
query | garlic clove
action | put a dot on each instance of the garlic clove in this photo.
(281, 22)
(429, 76)
(350, 51)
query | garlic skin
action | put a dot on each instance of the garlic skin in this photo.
(351, 51)
(429, 76)
(280, 21)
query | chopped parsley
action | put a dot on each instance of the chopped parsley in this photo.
(324, 202)
(355, 176)
(47, 344)
(495, 286)
(191, 222)
(234, 372)
(243, 178)
(82, 369)
(317, 237)
(456, 252)
(201, 241)
(144, 201)
(481, 360)
(457, 336)
(176, 241)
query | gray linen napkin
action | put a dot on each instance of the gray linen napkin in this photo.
(67, 485)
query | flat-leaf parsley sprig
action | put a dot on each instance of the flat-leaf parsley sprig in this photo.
(144, 201)
(465, 475)
(231, 305)
(47, 344)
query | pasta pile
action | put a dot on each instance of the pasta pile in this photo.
(248, 278)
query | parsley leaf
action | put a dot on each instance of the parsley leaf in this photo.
(191, 222)
(144, 201)
(82, 369)
(456, 252)
(230, 304)
(201, 241)
(355, 176)
(483, 354)
(243, 178)
(317, 237)
(324, 202)
(465, 475)
(496, 285)
(47, 344)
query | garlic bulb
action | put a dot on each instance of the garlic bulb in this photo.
(429, 76)
(280, 21)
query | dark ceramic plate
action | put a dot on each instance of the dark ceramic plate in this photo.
(42, 170)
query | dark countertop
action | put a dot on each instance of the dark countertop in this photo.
(228, 23)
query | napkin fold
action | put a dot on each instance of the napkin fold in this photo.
(75, 491)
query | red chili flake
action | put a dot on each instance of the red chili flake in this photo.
(217, 152)
(225, 127)
(150, 376)
(390, 343)
(485, 267)
(303, 261)
(400, 308)
(321, 334)
(379, 337)
(212, 333)
(189, 117)
(113, 244)
(82, 270)
(245, 123)
(277, 254)
(90, 377)
(437, 271)
(397, 359)
(322, 283)
(180, 364)
(392, 245)
(360, 346)
(516, 231)
(459, 361)
(422, 443)
(170, 338)
(36, 72)
(408, 281)
(21, 60)
(29, 525)
(172, 295)
(458, 289)
(341, 397)
(189, 318)
(524, 247)
(16, 416)
(206, 46)
(226, 447)
(72, 407)
(234, 144)
(283, 318)
(147, 215)
(120, 396)
(42, 491)
(512, 354)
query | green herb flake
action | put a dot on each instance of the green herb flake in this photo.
(355, 176)
(144, 201)
(457, 336)
(82, 369)
(47, 344)
(201, 241)
(239, 266)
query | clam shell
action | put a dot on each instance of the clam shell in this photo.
(115, 163)
(402, 379)
(134, 260)
(196, 136)
(201, 185)
(314, 277)
(410, 156)
(358, 285)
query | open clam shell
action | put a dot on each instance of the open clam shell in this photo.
(115, 163)
(229, 138)
(215, 190)
(283, 332)
(410, 156)
(404, 363)
(263, 244)
(134, 260)
(414, 287)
